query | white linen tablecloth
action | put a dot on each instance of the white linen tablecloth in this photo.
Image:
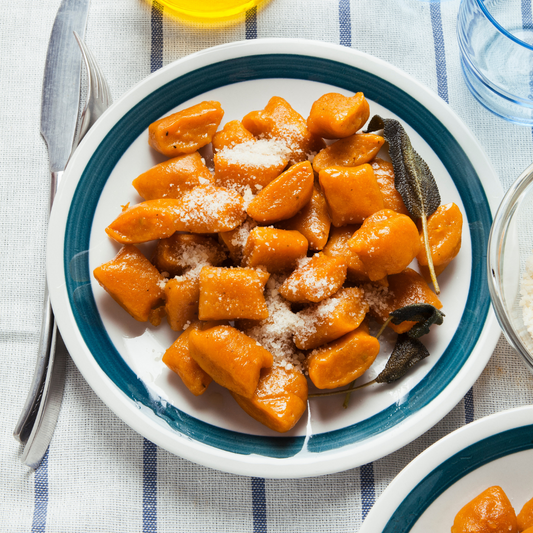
(99, 475)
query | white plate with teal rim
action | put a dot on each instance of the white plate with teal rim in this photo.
(430, 491)
(121, 358)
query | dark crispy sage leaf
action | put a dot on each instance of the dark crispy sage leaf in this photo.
(408, 350)
(412, 177)
(406, 353)
(425, 315)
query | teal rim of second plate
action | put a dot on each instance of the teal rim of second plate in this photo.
(291, 66)
(452, 470)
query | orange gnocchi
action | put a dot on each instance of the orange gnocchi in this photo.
(271, 250)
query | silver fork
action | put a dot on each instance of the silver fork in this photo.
(39, 416)
(98, 94)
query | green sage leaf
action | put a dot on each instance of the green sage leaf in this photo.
(412, 177)
(407, 352)
(425, 315)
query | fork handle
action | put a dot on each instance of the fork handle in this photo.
(54, 183)
(31, 407)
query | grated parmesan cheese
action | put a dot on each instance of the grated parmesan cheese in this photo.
(276, 332)
(247, 194)
(376, 297)
(261, 153)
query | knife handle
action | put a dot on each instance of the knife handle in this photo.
(50, 405)
(31, 407)
(46, 345)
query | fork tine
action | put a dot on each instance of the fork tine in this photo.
(100, 82)
(85, 55)
(104, 87)
(98, 93)
(107, 93)
(95, 80)
(104, 93)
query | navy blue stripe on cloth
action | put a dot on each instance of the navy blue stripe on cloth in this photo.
(259, 505)
(469, 406)
(527, 15)
(250, 22)
(345, 23)
(258, 484)
(149, 448)
(156, 53)
(149, 487)
(368, 492)
(440, 52)
(40, 490)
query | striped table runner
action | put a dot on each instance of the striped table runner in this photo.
(99, 475)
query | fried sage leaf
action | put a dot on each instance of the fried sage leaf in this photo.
(412, 178)
(425, 315)
(407, 352)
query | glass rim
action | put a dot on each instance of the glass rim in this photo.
(500, 28)
(494, 248)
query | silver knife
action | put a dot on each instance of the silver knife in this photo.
(59, 115)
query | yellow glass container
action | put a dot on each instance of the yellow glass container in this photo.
(209, 10)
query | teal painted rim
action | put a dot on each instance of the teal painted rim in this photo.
(452, 470)
(197, 82)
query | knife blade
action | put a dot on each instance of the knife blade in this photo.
(59, 116)
(61, 84)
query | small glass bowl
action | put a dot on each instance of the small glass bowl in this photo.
(510, 248)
